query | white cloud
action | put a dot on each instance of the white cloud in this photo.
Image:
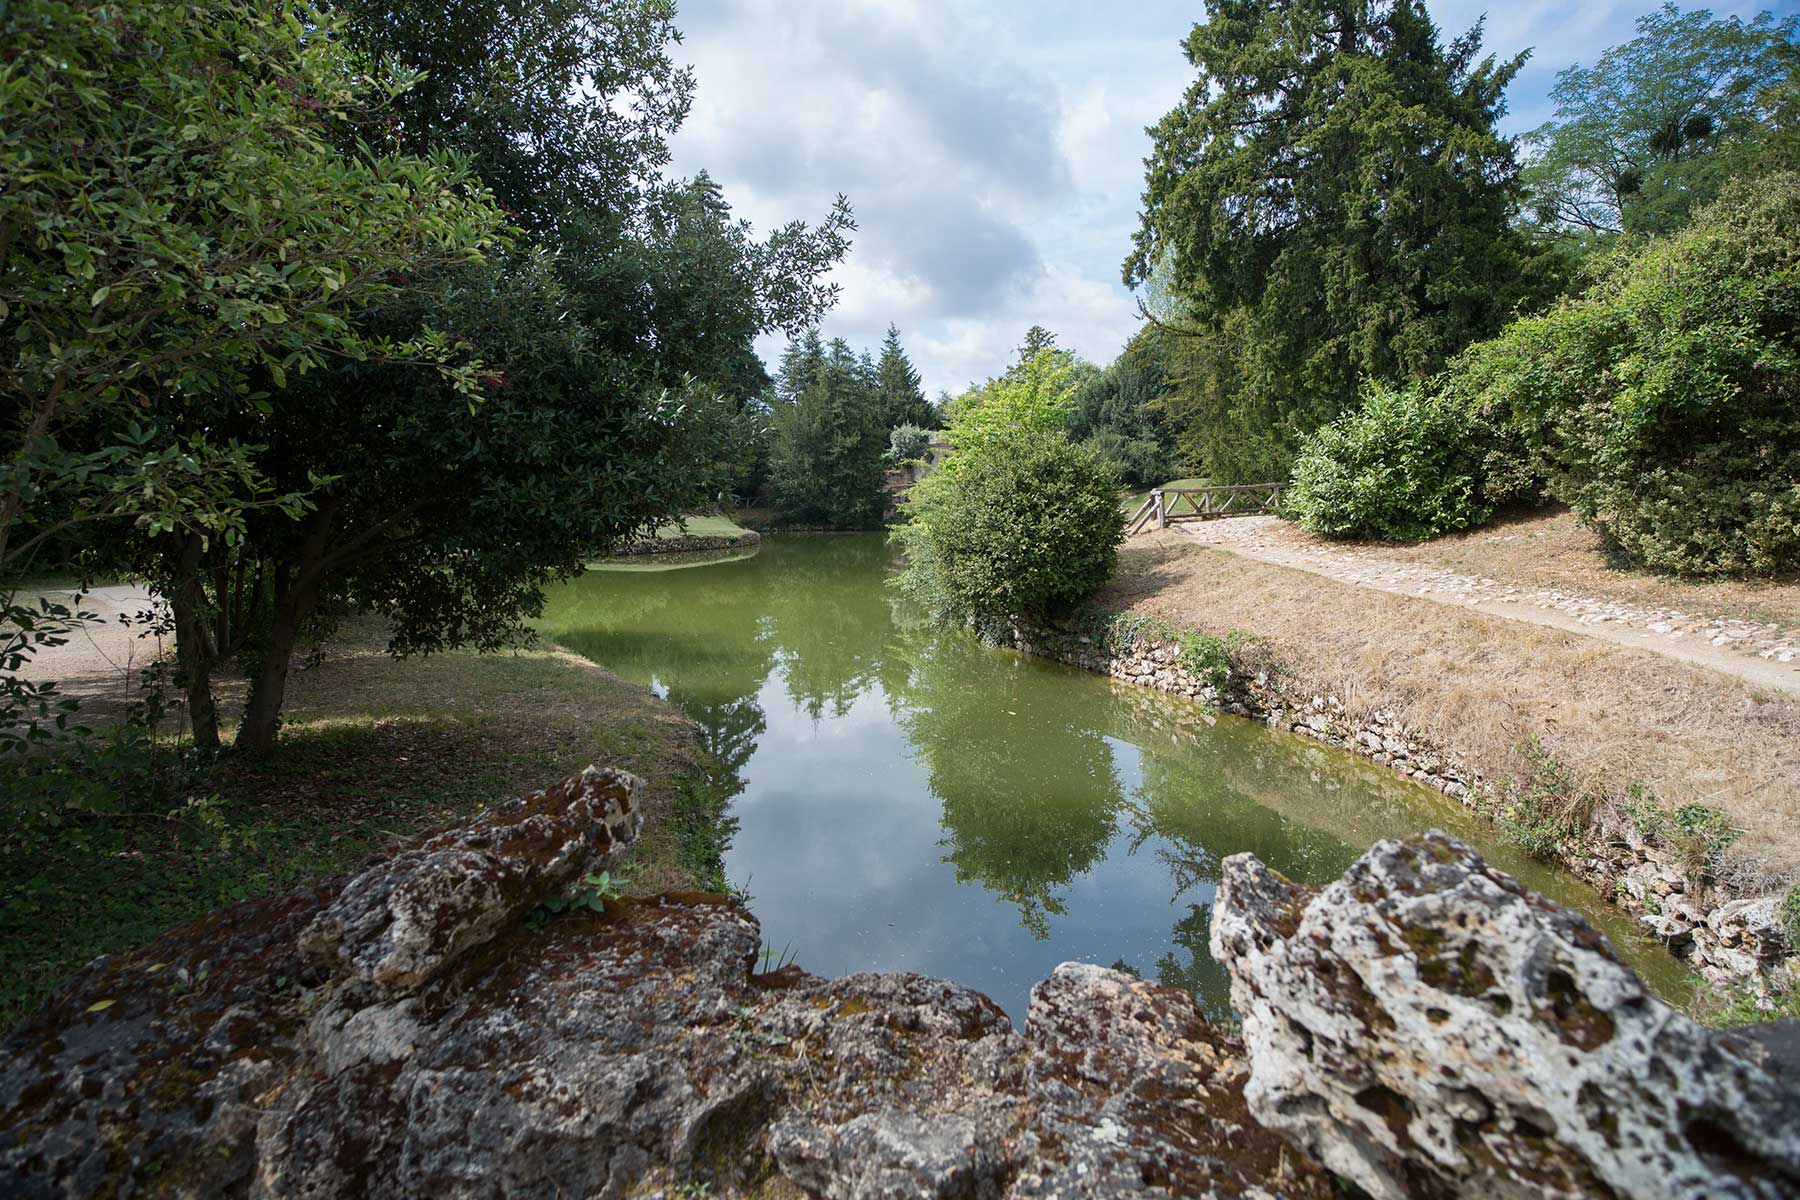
(994, 153)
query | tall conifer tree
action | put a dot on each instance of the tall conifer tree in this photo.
(902, 399)
(1329, 203)
(799, 363)
(826, 456)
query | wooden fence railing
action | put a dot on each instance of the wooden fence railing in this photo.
(1163, 505)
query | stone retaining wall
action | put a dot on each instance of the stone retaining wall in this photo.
(1727, 938)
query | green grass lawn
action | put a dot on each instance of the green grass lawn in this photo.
(704, 526)
(374, 752)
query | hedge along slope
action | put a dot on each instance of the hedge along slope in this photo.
(1663, 405)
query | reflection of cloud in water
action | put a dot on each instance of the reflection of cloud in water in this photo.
(867, 711)
(913, 801)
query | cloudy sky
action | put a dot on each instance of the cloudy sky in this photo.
(994, 152)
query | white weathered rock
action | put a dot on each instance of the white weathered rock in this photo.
(1425, 1026)
(623, 1052)
(401, 922)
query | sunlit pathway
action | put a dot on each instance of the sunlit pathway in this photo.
(1760, 654)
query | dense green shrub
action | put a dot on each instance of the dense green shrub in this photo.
(1664, 404)
(907, 443)
(1407, 464)
(1028, 524)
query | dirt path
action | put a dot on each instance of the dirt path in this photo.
(103, 660)
(1764, 655)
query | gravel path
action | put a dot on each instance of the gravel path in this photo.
(1765, 655)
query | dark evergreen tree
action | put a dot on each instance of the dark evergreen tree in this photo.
(1120, 399)
(902, 399)
(1037, 339)
(800, 362)
(826, 456)
(1330, 202)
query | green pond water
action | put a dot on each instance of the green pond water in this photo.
(909, 799)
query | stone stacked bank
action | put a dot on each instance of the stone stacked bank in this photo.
(1726, 937)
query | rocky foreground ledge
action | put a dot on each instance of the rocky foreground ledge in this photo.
(1423, 1027)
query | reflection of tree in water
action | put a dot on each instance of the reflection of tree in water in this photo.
(698, 632)
(829, 618)
(1198, 798)
(1029, 798)
(1193, 969)
(729, 731)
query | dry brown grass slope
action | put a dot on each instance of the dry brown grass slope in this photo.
(1481, 685)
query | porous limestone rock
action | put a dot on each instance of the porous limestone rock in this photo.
(408, 1033)
(1427, 1027)
(1133, 1093)
(401, 922)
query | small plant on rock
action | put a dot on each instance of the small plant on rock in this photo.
(1790, 918)
(770, 959)
(595, 891)
(1698, 835)
(1746, 1004)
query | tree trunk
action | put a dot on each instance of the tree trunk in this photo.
(193, 652)
(296, 593)
(262, 714)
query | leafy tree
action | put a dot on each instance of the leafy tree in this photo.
(1330, 202)
(1121, 398)
(907, 443)
(1664, 404)
(1033, 396)
(902, 400)
(829, 443)
(179, 230)
(124, 285)
(1017, 520)
(1654, 128)
(1781, 149)
(1136, 461)
(446, 517)
(1116, 412)
(628, 304)
(1022, 523)
(564, 106)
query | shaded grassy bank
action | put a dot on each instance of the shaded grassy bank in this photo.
(374, 753)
